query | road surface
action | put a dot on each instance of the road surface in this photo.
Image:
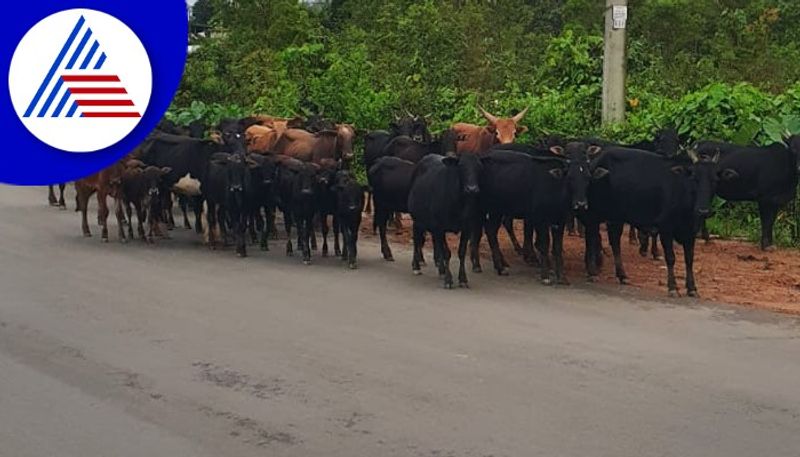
(173, 350)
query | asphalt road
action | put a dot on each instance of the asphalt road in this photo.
(173, 350)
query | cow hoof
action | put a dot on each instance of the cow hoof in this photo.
(289, 254)
(477, 269)
(353, 266)
(770, 248)
(388, 258)
(306, 262)
(547, 282)
(123, 240)
(324, 254)
(417, 272)
(673, 294)
(503, 272)
(563, 282)
(448, 286)
(105, 240)
(62, 207)
(624, 281)
(592, 278)
(87, 235)
(463, 284)
(693, 294)
(240, 255)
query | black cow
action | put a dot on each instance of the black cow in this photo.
(444, 199)
(230, 186)
(542, 187)
(297, 198)
(349, 202)
(232, 134)
(375, 142)
(326, 203)
(261, 197)
(767, 176)
(390, 181)
(666, 195)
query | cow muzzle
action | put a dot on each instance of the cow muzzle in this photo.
(472, 189)
(306, 192)
(582, 205)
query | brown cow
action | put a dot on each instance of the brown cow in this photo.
(475, 139)
(260, 139)
(314, 147)
(105, 183)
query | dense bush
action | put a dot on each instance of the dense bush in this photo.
(721, 69)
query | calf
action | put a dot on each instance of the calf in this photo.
(666, 195)
(139, 188)
(230, 183)
(297, 199)
(767, 176)
(349, 202)
(326, 205)
(104, 183)
(444, 198)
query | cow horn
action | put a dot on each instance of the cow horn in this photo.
(693, 155)
(489, 117)
(521, 114)
(409, 114)
(715, 159)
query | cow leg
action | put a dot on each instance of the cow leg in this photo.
(444, 250)
(352, 245)
(121, 222)
(508, 224)
(397, 221)
(529, 254)
(669, 258)
(140, 216)
(312, 234)
(264, 241)
(571, 228)
(287, 222)
(688, 258)
(211, 222)
(557, 232)
(492, 227)
(253, 226)
(223, 224)
(184, 205)
(62, 204)
(543, 248)
(102, 215)
(767, 214)
(129, 212)
(475, 245)
(323, 220)
(654, 247)
(592, 233)
(51, 196)
(633, 235)
(462, 257)
(368, 204)
(704, 232)
(308, 230)
(614, 238)
(337, 248)
(82, 204)
(418, 238)
(170, 217)
(382, 218)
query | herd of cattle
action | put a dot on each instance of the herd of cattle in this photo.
(470, 180)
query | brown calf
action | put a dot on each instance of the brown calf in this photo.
(105, 183)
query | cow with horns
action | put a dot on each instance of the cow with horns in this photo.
(475, 139)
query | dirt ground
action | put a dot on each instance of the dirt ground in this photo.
(726, 271)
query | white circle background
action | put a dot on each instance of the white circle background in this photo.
(35, 54)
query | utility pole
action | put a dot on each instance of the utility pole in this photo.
(614, 62)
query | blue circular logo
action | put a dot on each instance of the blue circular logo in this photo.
(87, 81)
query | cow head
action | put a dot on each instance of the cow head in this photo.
(577, 173)
(349, 193)
(412, 126)
(232, 135)
(469, 171)
(505, 130)
(703, 174)
(345, 135)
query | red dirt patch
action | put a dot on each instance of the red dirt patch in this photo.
(726, 271)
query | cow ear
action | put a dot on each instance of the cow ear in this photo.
(600, 173)
(593, 150)
(450, 161)
(678, 170)
(166, 170)
(728, 174)
(557, 173)
(522, 129)
(557, 150)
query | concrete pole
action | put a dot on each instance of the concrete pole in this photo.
(614, 66)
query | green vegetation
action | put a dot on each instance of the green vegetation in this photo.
(715, 69)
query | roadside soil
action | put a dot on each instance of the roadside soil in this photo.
(726, 271)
